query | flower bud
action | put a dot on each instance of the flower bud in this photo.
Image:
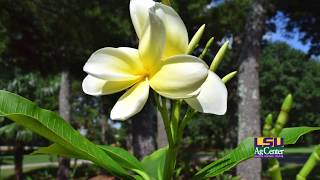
(218, 58)
(195, 39)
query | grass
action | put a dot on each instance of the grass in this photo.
(9, 172)
(29, 159)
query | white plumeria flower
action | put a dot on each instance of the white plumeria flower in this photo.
(156, 63)
(213, 95)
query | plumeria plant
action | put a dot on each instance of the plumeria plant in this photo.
(162, 65)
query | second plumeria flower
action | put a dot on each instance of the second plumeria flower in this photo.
(154, 64)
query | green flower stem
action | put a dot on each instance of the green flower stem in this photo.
(164, 113)
(171, 157)
(174, 130)
(312, 161)
(173, 150)
(187, 117)
(175, 116)
(206, 48)
(170, 162)
(171, 127)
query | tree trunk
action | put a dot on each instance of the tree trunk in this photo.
(18, 160)
(248, 85)
(65, 113)
(103, 120)
(162, 139)
(143, 131)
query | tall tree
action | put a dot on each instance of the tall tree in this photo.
(161, 132)
(248, 84)
(144, 131)
(65, 113)
(103, 120)
(20, 136)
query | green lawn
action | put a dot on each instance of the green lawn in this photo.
(29, 159)
(9, 172)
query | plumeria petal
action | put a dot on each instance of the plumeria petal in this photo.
(95, 86)
(176, 32)
(180, 77)
(212, 98)
(131, 102)
(152, 42)
(139, 12)
(115, 64)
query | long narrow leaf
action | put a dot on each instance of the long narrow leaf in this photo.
(49, 125)
(125, 159)
(291, 135)
(57, 150)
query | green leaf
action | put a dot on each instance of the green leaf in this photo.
(49, 125)
(291, 135)
(126, 159)
(57, 150)
(121, 156)
(245, 150)
(154, 163)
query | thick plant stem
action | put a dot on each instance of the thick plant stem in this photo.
(312, 161)
(165, 116)
(274, 169)
(273, 164)
(174, 129)
(175, 116)
(170, 162)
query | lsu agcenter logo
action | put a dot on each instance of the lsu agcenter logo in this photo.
(268, 147)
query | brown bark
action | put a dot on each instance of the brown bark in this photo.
(248, 85)
(162, 139)
(143, 131)
(103, 121)
(18, 160)
(65, 113)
